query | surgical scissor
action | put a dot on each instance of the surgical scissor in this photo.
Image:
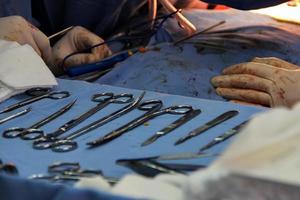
(67, 143)
(34, 129)
(103, 99)
(38, 94)
(13, 116)
(177, 110)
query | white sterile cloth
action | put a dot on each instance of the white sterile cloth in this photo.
(282, 12)
(21, 68)
(262, 163)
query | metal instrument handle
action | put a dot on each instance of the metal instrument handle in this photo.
(61, 167)
(58, 95)
(102, 97)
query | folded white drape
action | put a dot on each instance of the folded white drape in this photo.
(21, 68)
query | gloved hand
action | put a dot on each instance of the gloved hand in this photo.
(266, 81)
(78, 39)
(16, 28)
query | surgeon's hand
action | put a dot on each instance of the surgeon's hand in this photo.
(265, 81)
(78, 39)
(16, 28)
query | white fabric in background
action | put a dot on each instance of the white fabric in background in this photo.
(21, 68)
(282, 12)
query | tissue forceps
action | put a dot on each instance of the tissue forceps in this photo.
(36, 97)
(34, 129)
(11, 117)
(174, 125)
(103, 99)
(198, 131)
(221, 138)
(176, 110)
(67, 143)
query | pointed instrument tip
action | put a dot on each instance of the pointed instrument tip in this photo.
(3, 111)
(96, 143)
(146, 143)
(202, 150)
(91, 145)
(150, 140)
(180, 141)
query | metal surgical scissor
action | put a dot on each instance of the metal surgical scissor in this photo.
(38, 94)
(177, 110)
(67, 143)
(103, 99)
(34, 129)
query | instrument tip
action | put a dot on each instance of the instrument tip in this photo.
(180, 141)
(94, 144)
(146, 143)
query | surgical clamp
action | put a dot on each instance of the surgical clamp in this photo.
(177, 110)
(218, 120)
(174, 125)
(11, 117)
(67, 143)
(66, 171)
(103, 99)
(34, 129)
(33, 92)
(228, 134)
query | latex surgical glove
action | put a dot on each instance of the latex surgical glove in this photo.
(78, 39)
(265, 81)
(16, 28)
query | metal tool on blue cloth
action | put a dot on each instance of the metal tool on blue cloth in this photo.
(181, 156)
(228, 134)
(68, 144)
(151, 168)
(38, 94)
(153, 112)
(34, 129)
(103, 99)
(171, 127)
(101, 65)
(16, 115)
(66, 171)
(198, 131)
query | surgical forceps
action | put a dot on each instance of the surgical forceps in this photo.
(34, 129)
(171, 127)
(66, 171)
(151, 168)
(67, 143)
(176, 110)
(13, 116)
(103, 99)
(198, 131)
(225, 136)
(36, 97)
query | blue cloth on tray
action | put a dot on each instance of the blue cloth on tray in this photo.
(30, 161)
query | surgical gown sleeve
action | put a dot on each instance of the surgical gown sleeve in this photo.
(247, 4)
